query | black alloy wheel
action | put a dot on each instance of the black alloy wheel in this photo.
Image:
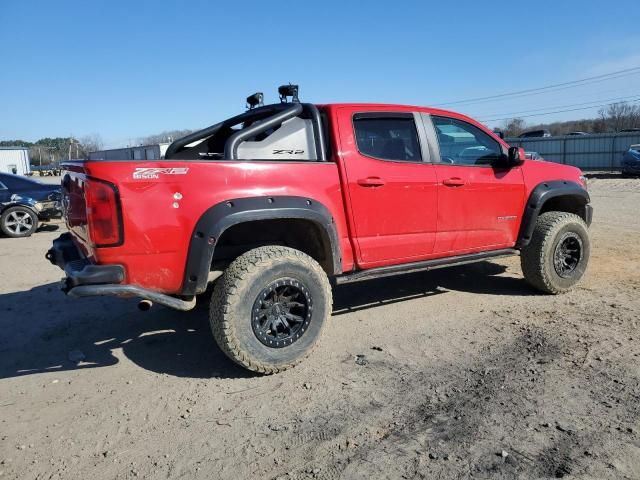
(281, 313)
(567, 254)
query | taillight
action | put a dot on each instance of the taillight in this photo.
(103, 213)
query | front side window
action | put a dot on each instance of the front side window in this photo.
(464, 144)
(387, 138)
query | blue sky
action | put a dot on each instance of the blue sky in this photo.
(125, 69)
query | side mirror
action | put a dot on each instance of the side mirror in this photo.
(516, 156)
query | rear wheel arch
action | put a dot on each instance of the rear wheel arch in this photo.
(12, 204)
(229, 229)
(557, 195)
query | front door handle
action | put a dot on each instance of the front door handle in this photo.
(371, 182)
(453, 182)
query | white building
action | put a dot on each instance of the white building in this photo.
(15, 160)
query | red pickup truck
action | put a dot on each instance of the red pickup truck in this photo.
(271, 205)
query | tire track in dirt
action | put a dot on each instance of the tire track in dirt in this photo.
(437, 428)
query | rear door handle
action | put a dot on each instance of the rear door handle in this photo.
(371, 182)
(453, 182)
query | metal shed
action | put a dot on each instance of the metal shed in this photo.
(142, 152)
(15, 160)
(601, 151)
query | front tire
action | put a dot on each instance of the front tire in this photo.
(18, 222)
(269, 307)
(558, 254)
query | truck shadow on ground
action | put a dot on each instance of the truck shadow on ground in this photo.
(41, 326)
(606, 175)
(481, 278)
(48, 227)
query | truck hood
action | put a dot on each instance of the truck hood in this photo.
(539, 171)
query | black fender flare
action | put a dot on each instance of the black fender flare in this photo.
(544, 192)
(221, 216)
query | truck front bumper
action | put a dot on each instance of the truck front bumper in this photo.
(85, 279)
(588, 214)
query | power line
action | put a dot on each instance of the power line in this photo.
(557, 111)
(557, 106)
(558, 89)
(554, 87)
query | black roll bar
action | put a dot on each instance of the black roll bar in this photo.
(280, 112)
(318, 132)
(231, 147)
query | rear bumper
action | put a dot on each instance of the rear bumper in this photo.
(84, 279)
(79, 270)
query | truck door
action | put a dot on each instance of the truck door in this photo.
(479, 202)
(392, 187)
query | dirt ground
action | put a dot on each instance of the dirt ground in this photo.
(460, 373)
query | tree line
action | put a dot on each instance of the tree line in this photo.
(50, 151)
(611, 119)
(164, 137)
(46, 151)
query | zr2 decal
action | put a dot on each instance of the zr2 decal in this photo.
(154, 173)
(288, 152)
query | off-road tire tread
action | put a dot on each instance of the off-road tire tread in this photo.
(225, 294)
(532, 257)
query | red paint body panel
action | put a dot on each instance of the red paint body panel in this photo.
(385, 212)
(483, 213)
(393, 221)
(157, 235)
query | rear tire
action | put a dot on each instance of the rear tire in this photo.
(269, 307)
(18, 222)
(558, 254)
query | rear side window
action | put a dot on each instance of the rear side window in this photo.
(388, 138)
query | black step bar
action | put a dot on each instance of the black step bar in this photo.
(424, 265)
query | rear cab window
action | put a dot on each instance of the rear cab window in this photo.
(387, 136)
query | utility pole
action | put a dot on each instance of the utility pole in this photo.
(73, 141)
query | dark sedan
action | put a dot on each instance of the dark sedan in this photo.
(24, 203)
(631, 161)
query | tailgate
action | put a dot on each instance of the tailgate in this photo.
(74, 207)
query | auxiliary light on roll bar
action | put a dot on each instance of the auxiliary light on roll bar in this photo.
(288, 91)
(255, 100)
